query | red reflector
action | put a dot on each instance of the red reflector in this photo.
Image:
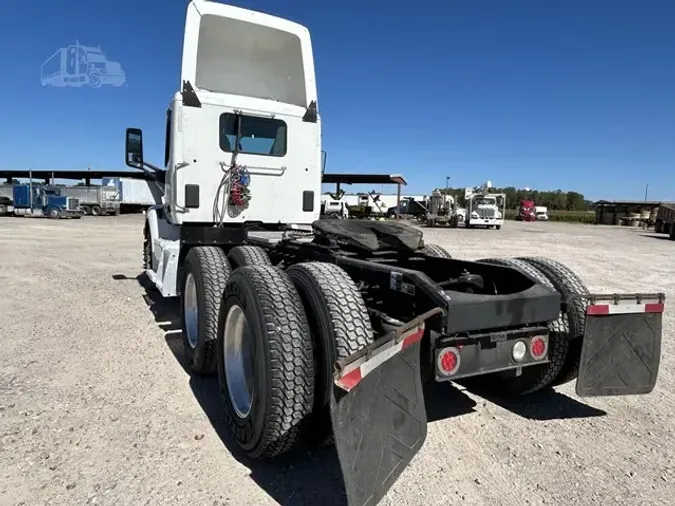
(597, 309)
(654, 308)
(351, 379)
(538, 347)
(413, 338)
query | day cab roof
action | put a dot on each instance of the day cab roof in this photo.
(255, 45)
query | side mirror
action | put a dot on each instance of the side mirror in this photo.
(323, 162)
(134, 148)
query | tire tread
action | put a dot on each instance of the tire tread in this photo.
(213, 270)
(241, 256)
(434, 250)
(291, 363)
(535, 377)
(567, 283)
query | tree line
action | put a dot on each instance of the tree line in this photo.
(557, 200)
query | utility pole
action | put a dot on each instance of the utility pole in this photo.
(447, 184)
(646, 191)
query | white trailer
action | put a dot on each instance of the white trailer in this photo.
(134, 194)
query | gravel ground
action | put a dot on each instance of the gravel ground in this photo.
(96, 408)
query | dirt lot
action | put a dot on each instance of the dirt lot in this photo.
(96, 408)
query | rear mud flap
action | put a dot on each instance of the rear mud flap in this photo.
(379, 425)
(622, 346)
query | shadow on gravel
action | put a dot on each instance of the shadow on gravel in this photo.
(444, 400)
(544, 405)
(299, 477)
(305, 475)
(662, 237)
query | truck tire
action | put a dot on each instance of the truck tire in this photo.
(339, 325)
(203, 278)
(533, 377)
(54, 213)
(658, 227)
(241, 256)
(567, 283)
(96, 210)
(265, 360)
(87, 210)
(434, 250)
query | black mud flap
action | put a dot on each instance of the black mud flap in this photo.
(379, 420)
(622, 345)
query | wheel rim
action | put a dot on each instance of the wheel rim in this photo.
(238, 358)
(191, 310)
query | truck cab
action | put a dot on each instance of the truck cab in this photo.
(485, 209)
(243, 137)
(43, 200)
(248, 112)
(526, 211)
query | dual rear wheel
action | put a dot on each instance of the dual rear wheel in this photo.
(565, 333)
(272, 336)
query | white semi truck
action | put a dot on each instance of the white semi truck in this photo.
(483, 208)
(330, 326)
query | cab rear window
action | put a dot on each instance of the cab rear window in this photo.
(253, 135)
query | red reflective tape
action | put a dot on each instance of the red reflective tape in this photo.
(597, 309)
(412, 338)
(654, 308)
(351, 379)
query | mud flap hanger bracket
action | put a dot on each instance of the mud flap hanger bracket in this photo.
(350, 370)
(615, 299)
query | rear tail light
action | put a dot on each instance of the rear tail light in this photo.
(538, 347)
(448, 361)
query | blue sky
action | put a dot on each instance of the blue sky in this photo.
(577, 95)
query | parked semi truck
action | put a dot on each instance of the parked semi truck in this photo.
(441, 210)
(483, 208)
(526, 211)
(326, 329)
(44, 201)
